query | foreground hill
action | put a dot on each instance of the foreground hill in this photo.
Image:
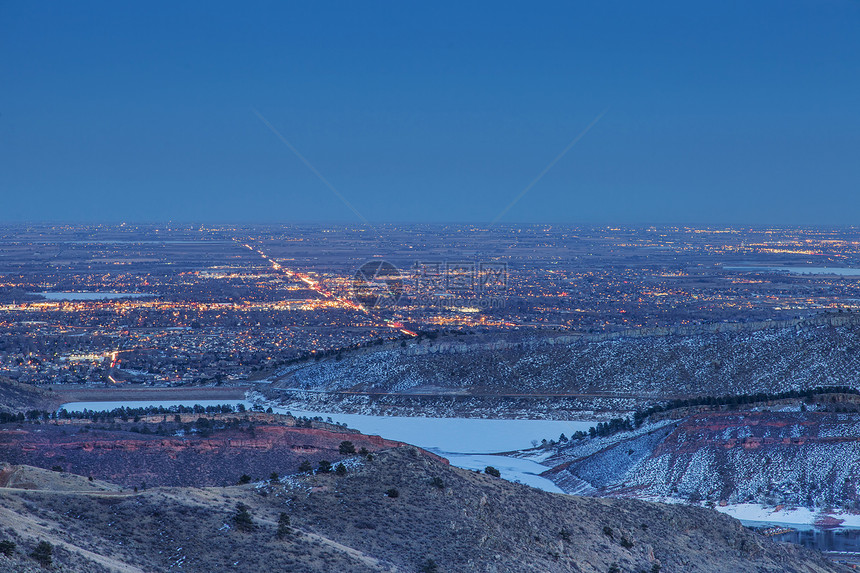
(401, 511)
(557, 376)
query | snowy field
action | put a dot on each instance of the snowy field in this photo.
(512, 469)
(465, 442)
(799, 518)
(757, 515)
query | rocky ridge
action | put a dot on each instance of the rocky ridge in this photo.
(402, 511)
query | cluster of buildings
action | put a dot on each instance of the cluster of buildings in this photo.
(190, 304)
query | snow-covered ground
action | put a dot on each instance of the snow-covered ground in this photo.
(799, 518)
(758, 515)
(512, 469)
(753, 513)
(465, 442)
(737, 360)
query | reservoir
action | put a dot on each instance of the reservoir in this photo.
(468, 443)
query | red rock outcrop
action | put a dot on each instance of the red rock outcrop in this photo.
(218, 457)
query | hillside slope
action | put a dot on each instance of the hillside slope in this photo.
(442, 519)
(19, 397)
(618, 373)
(803, 458)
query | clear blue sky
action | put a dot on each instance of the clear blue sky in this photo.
(718, 112)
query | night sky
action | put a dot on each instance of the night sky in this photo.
(712, 112)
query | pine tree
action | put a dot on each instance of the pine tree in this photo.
(284, 528)
(242, 518)
(43, 554)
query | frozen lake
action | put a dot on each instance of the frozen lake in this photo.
(463, 435)
(466, 442)
(513, 469)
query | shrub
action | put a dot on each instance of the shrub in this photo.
(392, 493)
(490, 470)
(340, 469)
(428, 566)
(274, 476)
(244, 478)
(437, 483)
(346, 448)
(608, 531)
(284, 528)
(242, 518)
(626, 543)
(7, 547)
(305, 466)
(325, 466)
(43, 554)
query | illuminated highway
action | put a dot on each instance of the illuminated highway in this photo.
(317, 287)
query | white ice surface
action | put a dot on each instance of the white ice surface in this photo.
(465, 442)
(751, 513)
(467, 435)
(513, 469)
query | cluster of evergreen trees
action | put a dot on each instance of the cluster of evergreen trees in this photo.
(122, 413)
(135, 415)
(639, 417)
